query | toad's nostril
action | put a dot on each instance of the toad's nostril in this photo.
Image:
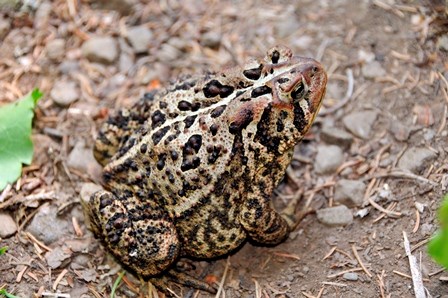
(275, 57)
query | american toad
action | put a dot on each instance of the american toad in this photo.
(190, 171)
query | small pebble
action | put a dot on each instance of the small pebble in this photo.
(140, 38)
(64, 93)
(7, 225)
(335, 136)
(328, 159)
(416, 159)
(353, 276)
(100, 49)
(349, 192)
(211, 39)
(335, 216)
(58, 257)
(400, 131)
(360, 123)
(55, 48)
(81, 158)
(373, 70)
(47, 226)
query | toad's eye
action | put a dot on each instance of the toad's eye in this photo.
(298, 92)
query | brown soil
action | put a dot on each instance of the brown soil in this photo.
(404, 37)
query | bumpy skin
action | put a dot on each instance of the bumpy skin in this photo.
(190, 171)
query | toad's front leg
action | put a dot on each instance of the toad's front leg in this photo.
(262, 223)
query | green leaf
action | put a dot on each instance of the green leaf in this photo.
(16, 147)
(438, 246)
(3, 292)
(3, 250)
(443, 213)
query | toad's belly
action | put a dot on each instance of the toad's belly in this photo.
(210, 232)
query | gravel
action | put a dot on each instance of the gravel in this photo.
(416, 159)
(373, 70)
(8, 226)
(349, 192)
(64, 93)
(335, 136)
(47, 226)
(55, 48)
(361, 123)
(140, 38)
(100, 49)
(335, 216)
(328, 159)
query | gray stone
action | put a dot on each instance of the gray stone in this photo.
(328, 159)
(211, 39)
(58, 257)
(360, 123)
(426, 229)
(68, 66)
(47, 227)
(336, 136)
(55, 48)
(64, 93)
(100, 49)
(168, 53)
(81, 158)
(353, 276)
(335, 216)
(5, 25)
(349, 192)
(400, 131)
(416, 159)
(373, 70)
(140, 38)
(125, 63)
(7, 225)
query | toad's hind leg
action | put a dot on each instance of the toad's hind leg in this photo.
(263, 223)
(114, 133)
(174, 276)
(138, 234)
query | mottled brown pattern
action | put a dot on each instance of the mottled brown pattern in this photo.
(190, 171)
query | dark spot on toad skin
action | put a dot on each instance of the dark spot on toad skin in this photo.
(214, 129)
(189, 121)
(259, 91)
(215, 88)
(218, 111)
(184, 105)
(158, 135)
(254, 73)
(157, 118)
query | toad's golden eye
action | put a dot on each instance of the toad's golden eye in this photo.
(298, 92)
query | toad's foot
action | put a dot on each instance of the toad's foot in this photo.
(290, 215)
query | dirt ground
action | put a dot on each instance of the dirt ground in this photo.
(387, 96)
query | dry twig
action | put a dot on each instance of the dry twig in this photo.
(419, 289)
(355, 253)
(387, 212)
(223, 279)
